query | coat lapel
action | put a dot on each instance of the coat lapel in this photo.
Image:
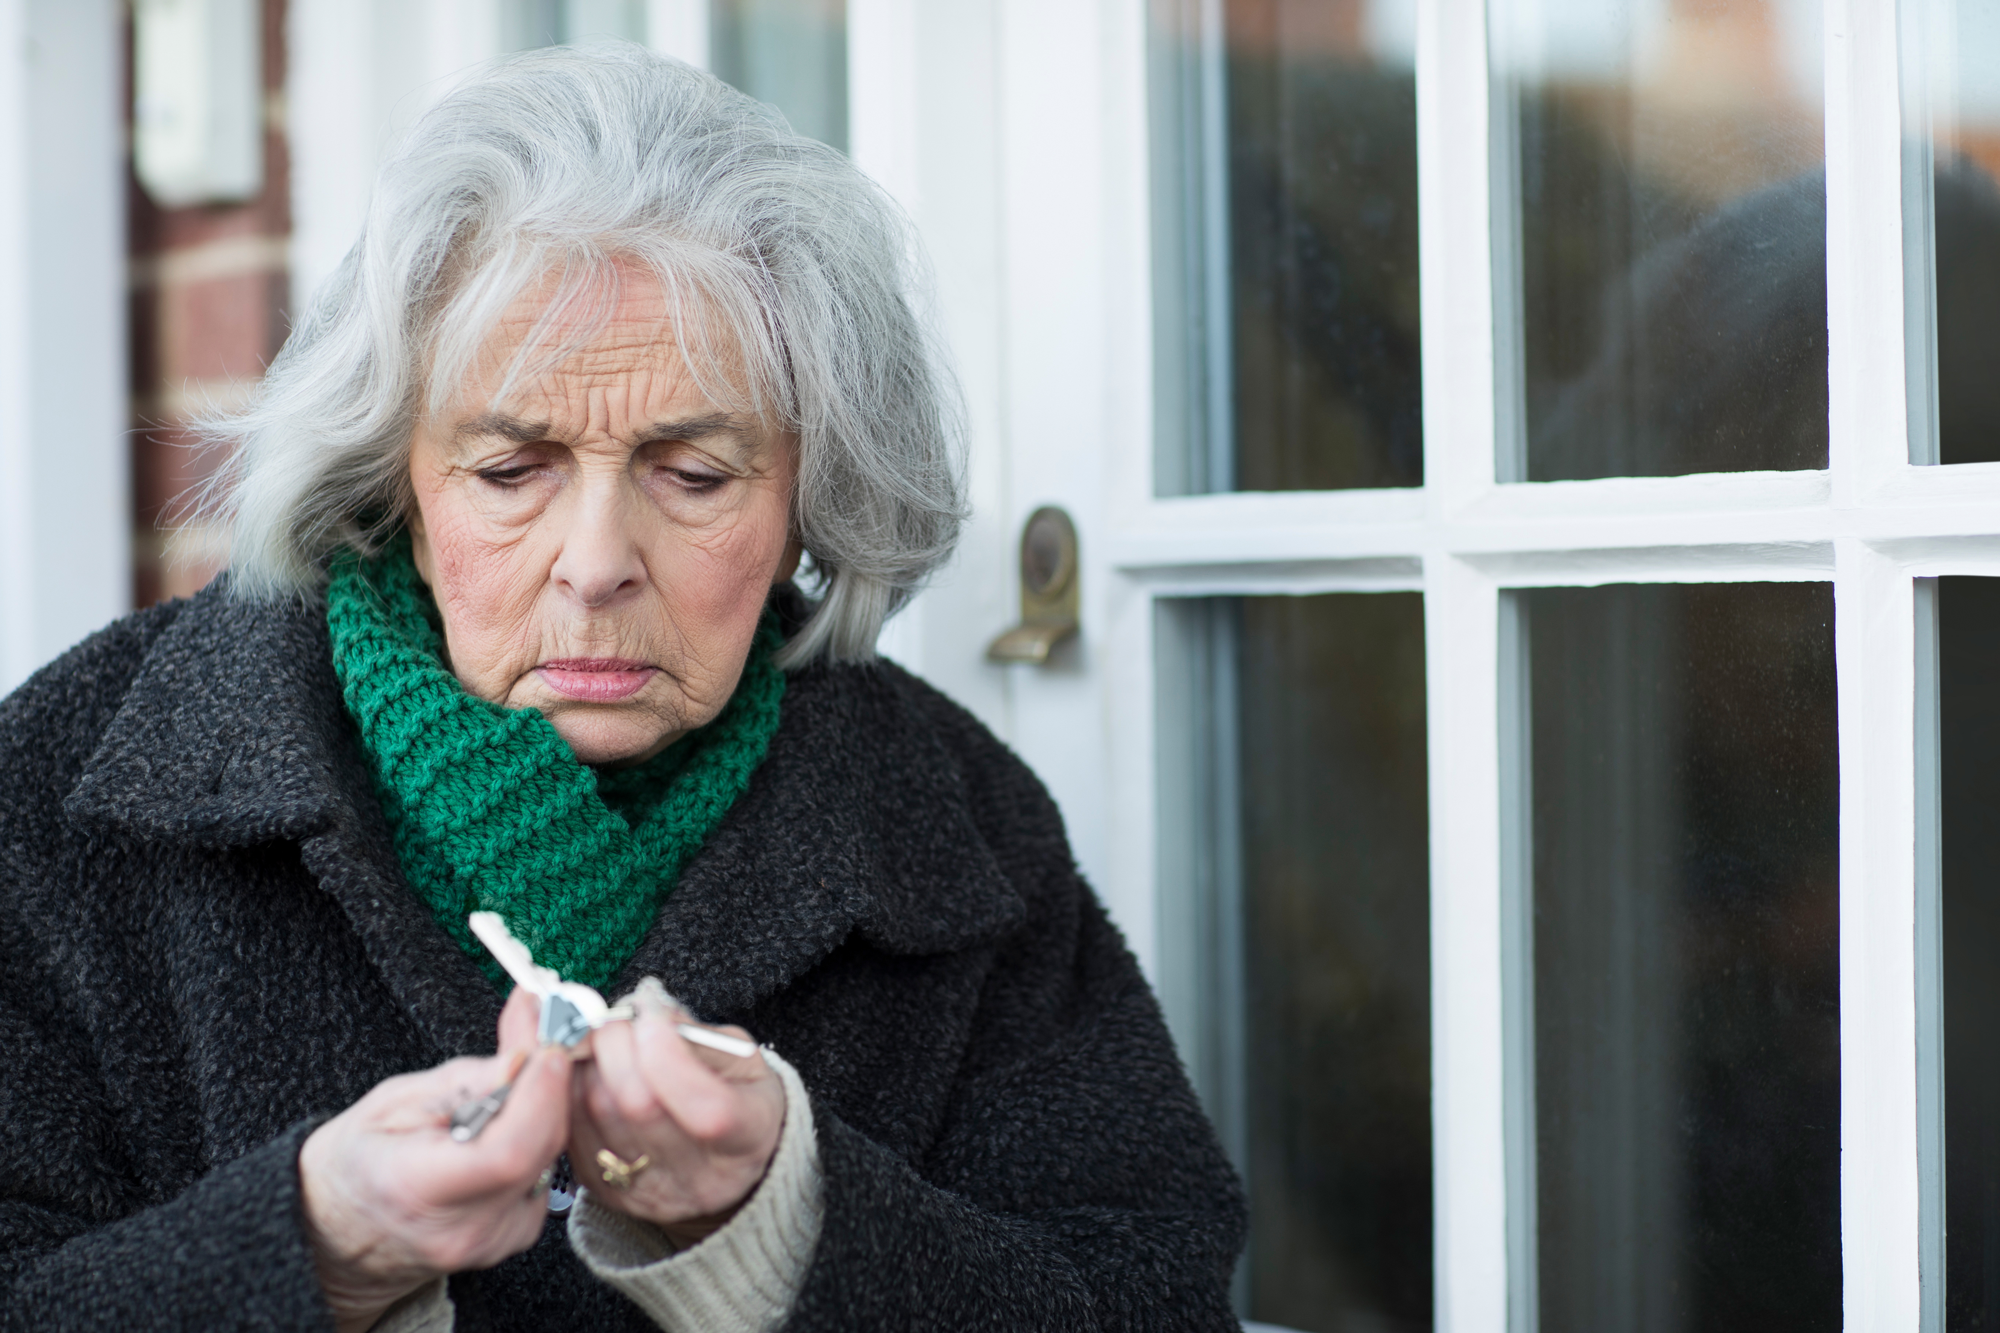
(234, 735)
(858, 822)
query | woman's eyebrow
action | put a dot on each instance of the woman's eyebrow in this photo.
(506, 427)
(691, 428)
(488, 424)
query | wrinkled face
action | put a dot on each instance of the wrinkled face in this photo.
(601, 541)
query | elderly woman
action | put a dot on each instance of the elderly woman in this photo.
(511, 626)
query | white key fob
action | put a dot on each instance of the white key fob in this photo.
(570, 1010)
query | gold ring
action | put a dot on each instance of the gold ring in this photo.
(619, 1173)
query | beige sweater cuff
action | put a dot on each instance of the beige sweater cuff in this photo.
(428, 1309)
(742, 1279)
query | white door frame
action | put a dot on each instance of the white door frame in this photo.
(65, 463)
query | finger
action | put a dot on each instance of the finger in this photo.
(532, 1127)
(515, 1226)
(586, 1132)
(425, 1099)
(653, 1132)
(619, 1078)
(496, 1168)
(586, 1136)
(650, 999)
(519, 1019)
(734, 1067)
(595, 1124)
(698, 1098)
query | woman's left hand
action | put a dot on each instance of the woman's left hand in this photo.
(706, 1122)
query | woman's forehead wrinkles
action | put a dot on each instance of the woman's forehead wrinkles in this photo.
(654, 366)
(639, 317)
(604, 358)
(547, 348)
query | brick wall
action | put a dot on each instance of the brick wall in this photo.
(209, 289)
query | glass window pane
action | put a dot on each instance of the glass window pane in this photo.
(790, 53)
(1968, 629)
(1670, 239)
(1286, 245)
(1952, 71)
(1685, 1040)
(1310, 939)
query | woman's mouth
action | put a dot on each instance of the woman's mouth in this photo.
(596, 680)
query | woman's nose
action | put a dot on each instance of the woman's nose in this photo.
(600, 562)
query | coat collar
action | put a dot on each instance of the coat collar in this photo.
(230, 732)
(858, 822)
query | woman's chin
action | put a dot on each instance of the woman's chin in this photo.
(613, 737)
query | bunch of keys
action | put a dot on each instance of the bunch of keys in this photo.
(571, 1011)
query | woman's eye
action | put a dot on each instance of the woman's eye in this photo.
(506, 476)
(697, 482)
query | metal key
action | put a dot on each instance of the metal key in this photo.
(717, 1041)
(571, 1011)
(473, 1116)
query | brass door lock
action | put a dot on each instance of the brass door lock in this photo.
(1049, 599)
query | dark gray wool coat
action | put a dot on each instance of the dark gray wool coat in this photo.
(206, 947)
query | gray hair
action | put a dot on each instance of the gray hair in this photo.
(775, 252)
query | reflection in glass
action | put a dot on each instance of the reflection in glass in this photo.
(1951, 52)
(1286, 245)
(1670, 239)
(1292, 728)
(1685, 1038)
(790, 53)
(1968, 627)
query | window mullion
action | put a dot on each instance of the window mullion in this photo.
(1875, 640)
(1455, 250)
(1868, 419)
(1455, 255)
(1467, 1079)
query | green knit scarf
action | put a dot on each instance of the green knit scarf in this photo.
(489, 808)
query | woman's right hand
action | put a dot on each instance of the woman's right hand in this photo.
(392, 1202)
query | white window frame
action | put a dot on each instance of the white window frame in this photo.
(1074, 350)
